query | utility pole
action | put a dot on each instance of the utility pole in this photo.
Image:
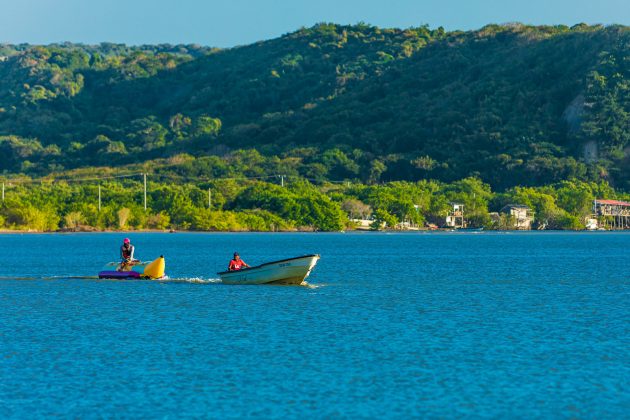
(3, 192)
(99, 197)
(209, 198)
(282, 180)
(145, 191)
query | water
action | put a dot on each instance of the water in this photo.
(396, 325)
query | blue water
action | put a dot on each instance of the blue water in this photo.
(395, 325)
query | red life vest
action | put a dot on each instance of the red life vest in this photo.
(235, 265)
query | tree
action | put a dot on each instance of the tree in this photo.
(376, 170)
(207, 126)
(123, 217)
(355, 208)
(383, 219)
(159, 221)
(73, 219)
(180, 125)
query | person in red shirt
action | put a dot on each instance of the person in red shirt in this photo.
(237, 263)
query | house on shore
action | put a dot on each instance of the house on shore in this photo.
(520, 217)
(612, 214)
(455, 217)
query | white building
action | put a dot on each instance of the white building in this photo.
(455, 217)
(522, 216)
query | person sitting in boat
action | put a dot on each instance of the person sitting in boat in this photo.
(236, 263)
(126, 251)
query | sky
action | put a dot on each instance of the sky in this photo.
(227, 23)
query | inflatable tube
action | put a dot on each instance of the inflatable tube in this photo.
(109, 274)
(155, 269)
(135, 270)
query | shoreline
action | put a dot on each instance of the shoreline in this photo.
(406, 232)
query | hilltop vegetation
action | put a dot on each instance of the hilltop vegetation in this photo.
(511, 105)
(360, 121)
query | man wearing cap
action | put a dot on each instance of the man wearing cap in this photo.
(237, 263)
(126, 251)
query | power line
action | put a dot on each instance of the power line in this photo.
(181, 178)
(66, 179)
(99, 178)
(171, 177)
(206, 179)
(144, 176)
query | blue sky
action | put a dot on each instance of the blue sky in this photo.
(235, 22)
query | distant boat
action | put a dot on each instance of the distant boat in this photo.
(135, 270)
(290, 271)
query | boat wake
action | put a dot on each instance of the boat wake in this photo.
(312, 286)
(196, 280)
(50, 278)
(200, 280)
(166, 279)
(19, 278)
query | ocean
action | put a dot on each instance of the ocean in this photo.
(391, 325)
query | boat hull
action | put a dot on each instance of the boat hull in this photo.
(292, 271)
(139, 270)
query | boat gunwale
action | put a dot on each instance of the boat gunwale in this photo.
(267, 263)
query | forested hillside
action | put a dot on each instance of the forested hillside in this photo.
(510, 104)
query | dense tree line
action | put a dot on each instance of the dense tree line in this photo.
(508, 104)
(266, 206)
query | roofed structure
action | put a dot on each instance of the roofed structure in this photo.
(522, 215)
(612, 214)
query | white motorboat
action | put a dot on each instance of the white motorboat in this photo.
(290, 271)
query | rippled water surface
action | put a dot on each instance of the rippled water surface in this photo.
(439, 325)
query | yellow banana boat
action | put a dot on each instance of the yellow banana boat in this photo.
(134, 270)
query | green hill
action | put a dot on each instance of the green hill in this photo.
(510, 104)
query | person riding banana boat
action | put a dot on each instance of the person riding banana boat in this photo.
(131, 268)
(126, 253)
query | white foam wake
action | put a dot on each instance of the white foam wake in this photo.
(198, 280)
